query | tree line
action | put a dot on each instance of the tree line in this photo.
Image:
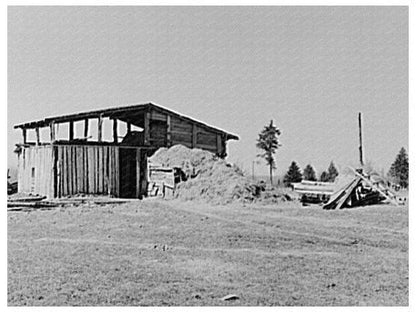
(268, 142)
(294, 174)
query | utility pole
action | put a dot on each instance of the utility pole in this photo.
(361, 140)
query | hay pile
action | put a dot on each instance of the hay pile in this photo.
(210, 178)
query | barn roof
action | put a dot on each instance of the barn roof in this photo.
(115, 112)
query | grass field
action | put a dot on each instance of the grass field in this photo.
(181, 253)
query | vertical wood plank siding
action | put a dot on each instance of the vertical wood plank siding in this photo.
(79, 169)
(93, 169)
(36, 171)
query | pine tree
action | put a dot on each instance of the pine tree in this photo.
(293, 175)
(325, 176)
(399, 170)
(309, 173)
(268, 142)
(332, 172)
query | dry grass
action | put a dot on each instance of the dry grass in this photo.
(179, 253)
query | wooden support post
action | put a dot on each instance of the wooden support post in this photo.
(100, 128)
(138, 186)
(145, 173)
(117, 171)
(194, 135)
(55, 172)
(128, 128)
(115, 134)
(24, 132)
(37, 136)
(147, 128)
(168, 132)
(71, 130)
(361, 140)
(219, 144)
(86, 124)
(52, 132)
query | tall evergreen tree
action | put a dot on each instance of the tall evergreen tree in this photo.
(324, 176)
(332, 172)
(399, 170)
(293, 175)
(268, 142)
(309, 173)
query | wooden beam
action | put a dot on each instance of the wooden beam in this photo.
(336, 197)
(52, 131)
(145, 174)
(146, 128)
(194, 135)
(71, 130)
(100, 128)
(117, 171)
(37, 136)
(343, 200)
(55, 171)
(138, 186)
(224, 145)
(168, 132)
(219, 144)
(386, 196)
(361, 140)
(115, 135)
(86, 124)
(24, 132)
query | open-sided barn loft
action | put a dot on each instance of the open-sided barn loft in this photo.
(83, 165)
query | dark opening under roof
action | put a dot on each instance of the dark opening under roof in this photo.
(114, 112)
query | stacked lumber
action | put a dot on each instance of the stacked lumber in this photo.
(360, 191)
(313, 187)
(34, 202)
(313, 191)
(28, 202)
(29, 198)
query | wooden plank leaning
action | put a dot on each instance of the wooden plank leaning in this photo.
(386, 196)
(343, 200)
(337, 196)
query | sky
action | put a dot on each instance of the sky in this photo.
(309, 69)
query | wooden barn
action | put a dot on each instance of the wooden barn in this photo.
(84, 161)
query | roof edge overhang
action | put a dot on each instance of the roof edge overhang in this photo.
(109, 112)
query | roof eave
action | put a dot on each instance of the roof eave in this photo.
(113, 111)
(80, 116)
(232, 137)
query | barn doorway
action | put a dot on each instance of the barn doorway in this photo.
(128, 172)
(133, 172)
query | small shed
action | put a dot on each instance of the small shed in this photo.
(81, 164)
